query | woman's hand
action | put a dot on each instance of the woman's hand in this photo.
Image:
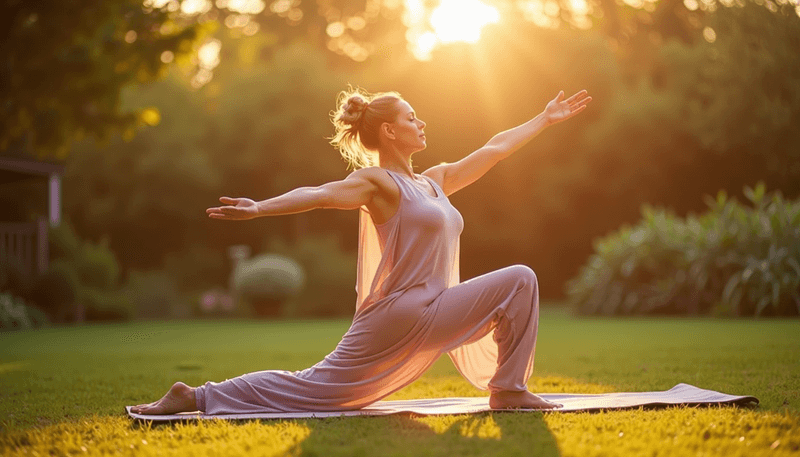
(560, 110)
(242, 209)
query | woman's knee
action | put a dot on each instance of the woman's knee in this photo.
(525, 274)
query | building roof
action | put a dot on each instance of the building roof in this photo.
(15, 169)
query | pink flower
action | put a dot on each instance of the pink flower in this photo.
(209, 301)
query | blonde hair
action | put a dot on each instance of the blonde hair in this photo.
(357, 119)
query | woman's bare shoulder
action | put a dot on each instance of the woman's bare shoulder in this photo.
(378, 177)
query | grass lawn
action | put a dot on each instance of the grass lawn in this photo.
(63, 391)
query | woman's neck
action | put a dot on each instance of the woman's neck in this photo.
(396, 163)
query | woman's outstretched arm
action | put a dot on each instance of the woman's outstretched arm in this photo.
(350, 193)
(456, 176)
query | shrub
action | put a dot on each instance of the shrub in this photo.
(97, 271)
(733, 260)
(331, 276)
(98, 267)
(196, 268)
(104, 305)
(13, 278)
(154, 295)
(55, 290)
(265, 282)
(64, 243)
(15, 314)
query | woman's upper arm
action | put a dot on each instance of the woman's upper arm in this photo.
(356, 190)
(453, 177)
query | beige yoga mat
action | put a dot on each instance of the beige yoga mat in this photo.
(681, 394)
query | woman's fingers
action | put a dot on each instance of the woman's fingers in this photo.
(223, 211)
(580, 103)
(223, 215)
(577, 110)
(237, 208)
(577, 95)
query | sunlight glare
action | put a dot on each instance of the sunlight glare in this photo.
(209, 54)
(462, 20)
(194, 7)
(579, 7)
(426, 43)
(244, 6)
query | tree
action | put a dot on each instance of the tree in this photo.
(66, 62)
(740, 88)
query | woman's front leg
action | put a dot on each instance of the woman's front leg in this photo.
(506, 399)
(179, 398)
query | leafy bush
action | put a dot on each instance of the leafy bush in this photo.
(265, 282)
(97, 271)
(196, 268)
(331, 276)
(15, 314)
(56, 290)
(733, 260)
(13, 279)
(155, 295)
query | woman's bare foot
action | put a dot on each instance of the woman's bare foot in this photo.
(180, 398)
(512, 400)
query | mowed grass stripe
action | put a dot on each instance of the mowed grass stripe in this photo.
(63, 390)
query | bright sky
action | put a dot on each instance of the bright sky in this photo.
(450, 21)
(461, 20)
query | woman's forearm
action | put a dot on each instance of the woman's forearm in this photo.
(507, 142)
(295, 201)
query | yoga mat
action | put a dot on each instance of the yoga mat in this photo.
(681, 394)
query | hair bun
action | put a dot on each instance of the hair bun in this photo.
(353, 109)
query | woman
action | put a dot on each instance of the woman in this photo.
(411, 307)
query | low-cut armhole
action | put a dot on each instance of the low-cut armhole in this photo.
(399, 203)
(438, 190)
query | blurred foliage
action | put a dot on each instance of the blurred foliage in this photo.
(94, 273)
(733, 260)
(741, 90)
(52, 292)
(194, 269)
(678, 112)
(15, 314)
(154, 295)
(248, 133)
(56, 291)
(64, 65)
(14, 280)
(265, 282)
(330, 273)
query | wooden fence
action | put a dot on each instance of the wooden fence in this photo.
(25, 244)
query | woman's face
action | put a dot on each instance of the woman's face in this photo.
(407, 129)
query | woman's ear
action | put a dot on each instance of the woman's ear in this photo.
(387, 130)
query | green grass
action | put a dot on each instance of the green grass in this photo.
(63, 391)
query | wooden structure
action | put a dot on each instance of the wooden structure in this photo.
(26, 242)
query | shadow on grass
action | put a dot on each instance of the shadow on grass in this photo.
(479, 434)
(489, 433)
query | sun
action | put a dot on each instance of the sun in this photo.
(450, 21)
(461, 20)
